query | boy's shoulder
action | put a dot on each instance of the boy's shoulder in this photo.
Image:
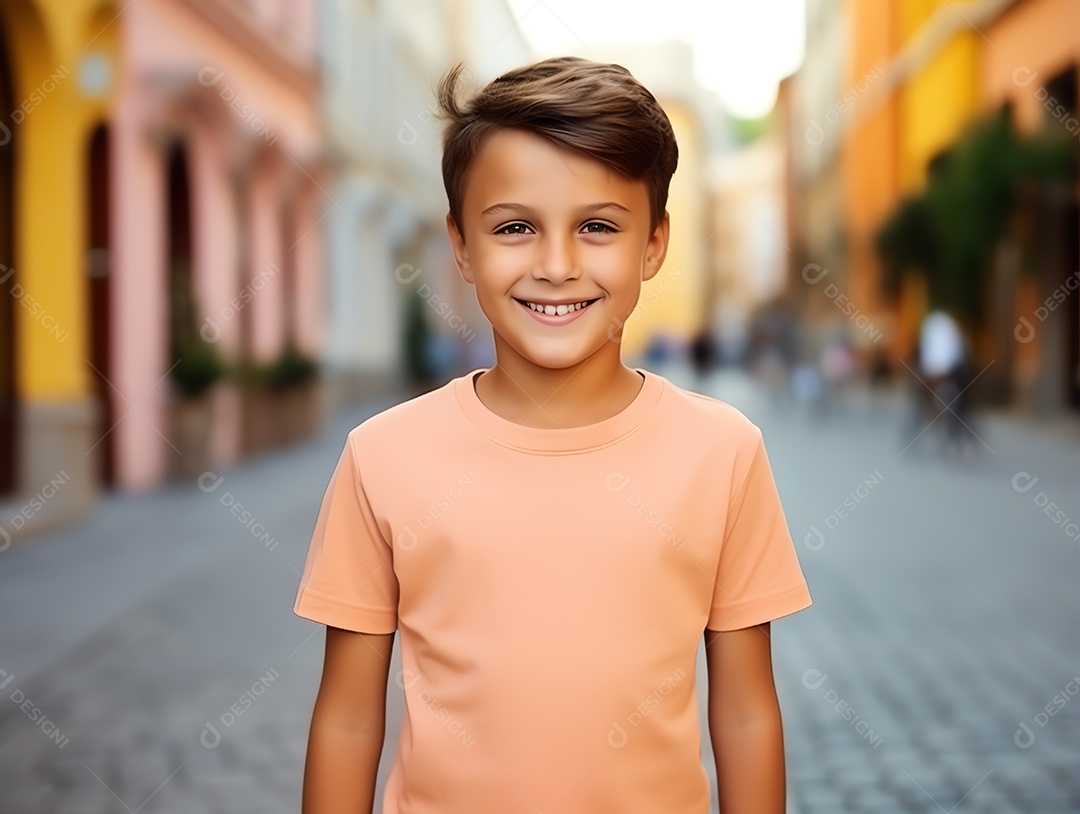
(708, 417)
(408, 418)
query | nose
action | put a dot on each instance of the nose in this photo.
(557, 261)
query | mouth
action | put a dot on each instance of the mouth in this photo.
(560, 309)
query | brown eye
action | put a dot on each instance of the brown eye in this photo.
(504, 230)
(604, 228)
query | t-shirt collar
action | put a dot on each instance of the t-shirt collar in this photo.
(558, 440)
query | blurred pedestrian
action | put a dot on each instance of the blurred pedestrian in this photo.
(703, 353)
(943, 372)
(837, 368)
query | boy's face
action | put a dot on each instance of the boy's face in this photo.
(553, 226)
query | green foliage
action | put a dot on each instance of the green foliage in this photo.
(747, 131)
(290, 369)
(197, 364)
(949, 231)
(907, 240)
(417, 337)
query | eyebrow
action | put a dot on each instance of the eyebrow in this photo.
(516, 207)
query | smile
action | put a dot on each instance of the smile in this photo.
(556, 314)
(557, 310)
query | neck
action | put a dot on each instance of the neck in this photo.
(587, 392)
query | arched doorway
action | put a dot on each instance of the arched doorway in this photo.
(1059, 233)
(192, 363)
(181, 289)
(98, 286)
(289, 299)
(8, 275)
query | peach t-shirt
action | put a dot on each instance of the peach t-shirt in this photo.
(551, 588)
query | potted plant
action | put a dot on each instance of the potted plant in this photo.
(280, 399)
(196, 368)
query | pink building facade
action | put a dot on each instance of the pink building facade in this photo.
(217, 173)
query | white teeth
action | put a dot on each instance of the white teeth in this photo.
(557, 310)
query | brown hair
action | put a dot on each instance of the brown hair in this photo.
(597, 109)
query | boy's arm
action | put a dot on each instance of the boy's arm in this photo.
(348, 724)
(744, 721)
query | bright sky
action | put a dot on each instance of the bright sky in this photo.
(742, 47)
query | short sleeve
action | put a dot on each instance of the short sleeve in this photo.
(348, 579)
(758, 577)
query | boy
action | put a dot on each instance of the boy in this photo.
(552, 535)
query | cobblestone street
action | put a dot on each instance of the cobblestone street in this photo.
(151, 661)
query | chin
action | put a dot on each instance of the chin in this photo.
(555, 359)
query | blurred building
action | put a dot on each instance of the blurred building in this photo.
(679, 301)
(163, 176)
(808, 120)
(398, 310)
(1032, 67)
(910, 89)
(914, 77)
(749, 237)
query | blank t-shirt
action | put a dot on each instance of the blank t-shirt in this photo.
(551, 588)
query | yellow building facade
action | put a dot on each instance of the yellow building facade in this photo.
(919, 61)
(940, 96)
(674, 303)
(59, 64)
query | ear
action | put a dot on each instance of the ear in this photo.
(656, 248)
(461, 253)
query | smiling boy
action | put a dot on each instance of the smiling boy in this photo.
(553, 535)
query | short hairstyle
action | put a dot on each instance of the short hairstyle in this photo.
(594, 108)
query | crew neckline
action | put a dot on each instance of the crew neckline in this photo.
(567, 440)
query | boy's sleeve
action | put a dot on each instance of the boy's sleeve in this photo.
(348, 580)
(759, 577)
